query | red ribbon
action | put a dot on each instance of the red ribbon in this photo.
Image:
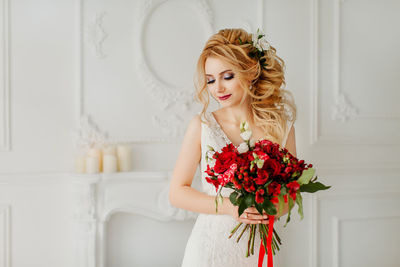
(271, 219)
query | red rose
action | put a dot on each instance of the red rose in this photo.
(262, 177)
(224, 161)
(272, 166)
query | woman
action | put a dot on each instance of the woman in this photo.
(243, 73)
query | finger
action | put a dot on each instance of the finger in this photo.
(251, 210)
(247, 221)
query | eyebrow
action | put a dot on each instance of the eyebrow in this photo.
(219, 73)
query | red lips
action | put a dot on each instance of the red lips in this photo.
(225, 97)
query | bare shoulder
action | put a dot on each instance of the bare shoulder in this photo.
(291, 141)
(193, 130)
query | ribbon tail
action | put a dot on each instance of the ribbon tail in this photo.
(261, 255)
(269, 240)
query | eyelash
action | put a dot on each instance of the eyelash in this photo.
(226, 78)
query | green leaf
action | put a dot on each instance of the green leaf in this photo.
(306, 176)
(233, 198)
(291, 204)
(240, 199)
(281, 205)
(240, 41)
(313, 187)
(249, 200)
(283, 191)
(269, 207)
(259, 208)
(242, 207)
(299, 201)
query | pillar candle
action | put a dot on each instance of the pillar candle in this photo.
(92, 164)
(124, 158)
(97, 153)
(110, 150)
(80, 163)
(109, 163)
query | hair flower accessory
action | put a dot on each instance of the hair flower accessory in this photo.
(260, 46)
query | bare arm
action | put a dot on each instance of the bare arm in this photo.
(181, 194)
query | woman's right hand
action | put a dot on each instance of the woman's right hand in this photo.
(249, 216)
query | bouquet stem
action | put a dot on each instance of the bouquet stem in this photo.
(235, 229)
(245, 228)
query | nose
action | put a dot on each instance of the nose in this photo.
(219, 86)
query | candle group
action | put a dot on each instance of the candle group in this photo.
(109, 159)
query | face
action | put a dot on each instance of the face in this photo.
(222, 83)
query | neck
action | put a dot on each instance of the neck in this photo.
(238, 114)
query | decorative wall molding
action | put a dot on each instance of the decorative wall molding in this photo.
(337, 222)
(95, 35)
(167, 95)
(342, 109)
(5, 233)
(347, 193)
(5, 143)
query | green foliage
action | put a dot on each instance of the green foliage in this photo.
(313, 187)
(306, 176)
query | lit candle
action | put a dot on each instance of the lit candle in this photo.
(92, 164)
(124, 158)
(96, 153)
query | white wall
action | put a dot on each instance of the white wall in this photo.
(128, 66)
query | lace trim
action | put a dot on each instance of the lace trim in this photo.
(216, 129)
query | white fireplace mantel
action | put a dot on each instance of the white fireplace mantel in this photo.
(98, 196)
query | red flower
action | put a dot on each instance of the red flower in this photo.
(259, 196)
(214, 182)
(262, 177)
(274, 200)
(224, 160)
(293, 187)
(237, 183)
(209, 171)
(272, 166)
(274, 188)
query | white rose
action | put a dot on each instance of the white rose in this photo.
(252, 143)
(246, 135)
(243, 148)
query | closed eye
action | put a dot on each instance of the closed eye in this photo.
(226, 78)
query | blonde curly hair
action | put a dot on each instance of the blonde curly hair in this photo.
(272, 106)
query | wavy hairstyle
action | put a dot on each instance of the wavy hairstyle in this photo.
(271, 106)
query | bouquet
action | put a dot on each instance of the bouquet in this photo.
(262, 175)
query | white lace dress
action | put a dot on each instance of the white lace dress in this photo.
(208, 244)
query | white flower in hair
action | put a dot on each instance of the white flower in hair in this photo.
(259, 41)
